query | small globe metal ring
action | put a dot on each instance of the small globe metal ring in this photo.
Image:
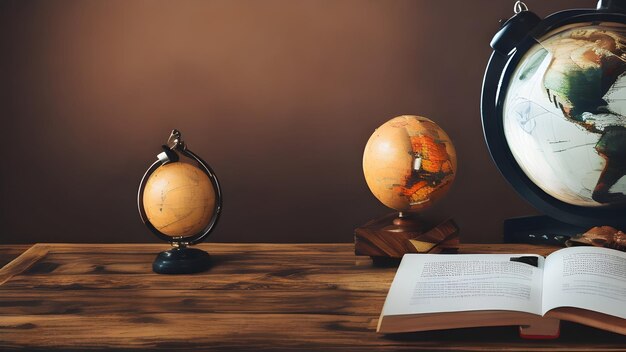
(167, 158)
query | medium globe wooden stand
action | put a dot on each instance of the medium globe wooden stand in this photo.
(395, 234)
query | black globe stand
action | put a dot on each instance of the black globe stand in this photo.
(181, 260)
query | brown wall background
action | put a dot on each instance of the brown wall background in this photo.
(279, 96)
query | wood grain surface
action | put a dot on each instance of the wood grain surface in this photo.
(8, 253)
(256, 297)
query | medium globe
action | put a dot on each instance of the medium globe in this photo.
(179, 199)
(409, 162)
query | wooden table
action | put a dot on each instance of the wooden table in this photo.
(256, 297)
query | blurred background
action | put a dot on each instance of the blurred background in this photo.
(278, 96)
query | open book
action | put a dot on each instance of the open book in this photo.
(586, 285)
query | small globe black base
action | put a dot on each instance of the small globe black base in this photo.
(181, 261)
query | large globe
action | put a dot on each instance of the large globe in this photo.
(564, 114)
(409, 162)
(179, 199)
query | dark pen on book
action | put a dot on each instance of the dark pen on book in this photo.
(530, 260)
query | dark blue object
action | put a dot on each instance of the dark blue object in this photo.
(542, 230)
(530, 260)
(182, 260)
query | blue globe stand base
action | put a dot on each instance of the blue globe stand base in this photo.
(540, 230)
(181, 260)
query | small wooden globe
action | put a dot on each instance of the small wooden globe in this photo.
(409, 162)
(179, 199)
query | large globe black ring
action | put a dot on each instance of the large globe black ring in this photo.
(183, 240)
(499, 72)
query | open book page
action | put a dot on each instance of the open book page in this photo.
(591, 278)
(430, 283)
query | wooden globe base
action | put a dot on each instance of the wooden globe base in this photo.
(406, 223)
(181, 260)
(391, 236)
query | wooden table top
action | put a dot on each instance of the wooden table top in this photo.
(256, 297)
